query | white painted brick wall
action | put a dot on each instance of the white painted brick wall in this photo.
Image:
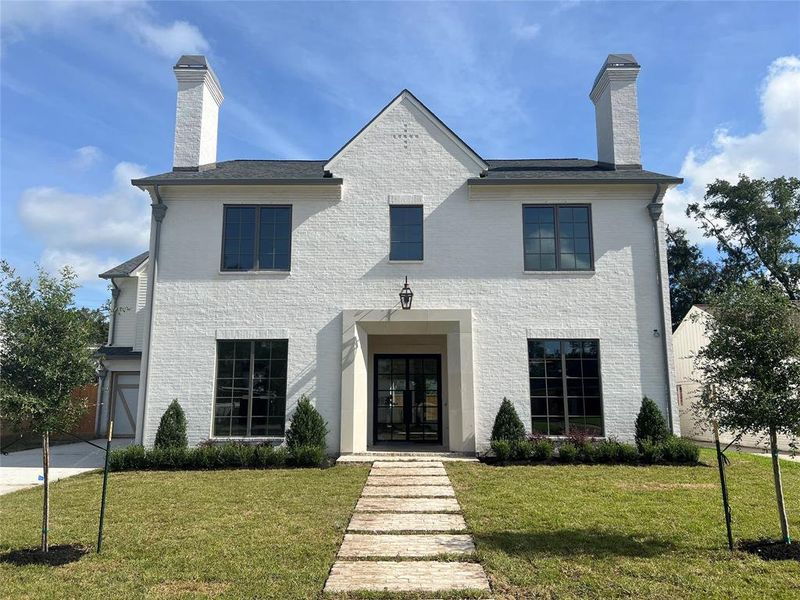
(473, 259)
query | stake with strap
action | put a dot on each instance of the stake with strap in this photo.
(105, 486)
(722, 460)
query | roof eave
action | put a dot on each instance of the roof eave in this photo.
(320, 181)
(569, 181)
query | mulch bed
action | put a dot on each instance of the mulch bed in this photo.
(771, 549)
(57, 556)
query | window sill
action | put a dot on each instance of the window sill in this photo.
(254, 439)
(562, 272)
(405, 262)
(265, 272)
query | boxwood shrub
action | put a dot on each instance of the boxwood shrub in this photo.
(680, 450)
(210, 457)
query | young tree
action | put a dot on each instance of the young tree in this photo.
(45, 353)
(692, 278)
(756, 224)
(751, 369)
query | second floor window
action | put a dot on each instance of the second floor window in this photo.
(557, 238)
(406, 232)
(257, 238)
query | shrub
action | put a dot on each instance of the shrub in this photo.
(541, 450)
(679, 450)
(607, 452)
(522, 450)
(307, 456)
(650, 424)
(172, 428)
(651, 452)
(627, 453)
(507, 424)
(308, 428)
(567, 452)
(130, 458)
(503, 450)
(235, 456)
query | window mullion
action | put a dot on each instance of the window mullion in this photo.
(250, 391)
(558, 238)
(564, 387)
(257, 240)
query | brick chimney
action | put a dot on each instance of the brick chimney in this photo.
(617, 112)
(197, 114)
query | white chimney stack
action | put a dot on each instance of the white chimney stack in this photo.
(617, 112)
(197, 114)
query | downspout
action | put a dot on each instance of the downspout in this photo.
(159, 210)
(112, 326)
(656, 209)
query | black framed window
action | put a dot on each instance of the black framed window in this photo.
(565, 386)
(257, 238)
(250, 397)
(406, 232)
(557, 237)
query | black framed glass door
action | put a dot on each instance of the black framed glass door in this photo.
(407, 398)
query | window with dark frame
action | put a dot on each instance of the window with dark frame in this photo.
(250, 399)
(406, 233)
(557, 237)
(565, 387)
(257, 238)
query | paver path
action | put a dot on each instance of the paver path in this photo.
(407, 511)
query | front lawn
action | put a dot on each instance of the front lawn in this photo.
(627, 531)
(201, 534)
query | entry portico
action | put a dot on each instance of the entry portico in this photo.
(430, 332)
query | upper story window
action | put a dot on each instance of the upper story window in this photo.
(257, 238)
(557, 238)
(406, 232)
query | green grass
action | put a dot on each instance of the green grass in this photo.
(626, 531)
(220, 534)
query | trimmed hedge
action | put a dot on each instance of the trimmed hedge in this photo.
(673, 450)
(210, 457)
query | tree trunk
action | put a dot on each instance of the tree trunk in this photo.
(46, 491)
(776, 473)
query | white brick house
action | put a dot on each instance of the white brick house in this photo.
(542, 280)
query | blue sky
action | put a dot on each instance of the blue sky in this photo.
(88, 95)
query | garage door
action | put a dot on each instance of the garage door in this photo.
(124, 404)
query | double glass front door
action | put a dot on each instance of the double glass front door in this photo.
(408, 398)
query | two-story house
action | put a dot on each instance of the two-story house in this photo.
(540, 280)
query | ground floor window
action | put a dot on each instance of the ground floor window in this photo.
(250, 397)
(565, 387)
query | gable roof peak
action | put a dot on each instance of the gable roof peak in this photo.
(405, 93)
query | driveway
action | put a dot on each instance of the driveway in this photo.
(20, 470)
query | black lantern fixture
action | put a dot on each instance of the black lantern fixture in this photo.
(406, 296)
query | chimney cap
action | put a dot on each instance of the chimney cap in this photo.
(617, 61)
(192, 61)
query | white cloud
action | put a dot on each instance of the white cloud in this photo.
(771, 152)
(135, 18)
(173, 40)
(526, 31)
(86, 157)
(89, 232)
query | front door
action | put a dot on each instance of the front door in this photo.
(407, 398)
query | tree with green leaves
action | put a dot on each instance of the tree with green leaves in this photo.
(756, 225)
(171, 432)
(692, 277)
(45, 353)
(98, 320)
(507, 424)
(751, 369)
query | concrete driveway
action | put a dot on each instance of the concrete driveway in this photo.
(20, 470)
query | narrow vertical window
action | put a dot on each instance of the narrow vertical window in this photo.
(406, 232)
(539, 230)
(250, 397)
(565, 387)
(574, 244)
(274, 237)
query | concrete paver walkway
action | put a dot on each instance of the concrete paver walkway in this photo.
(408, 511)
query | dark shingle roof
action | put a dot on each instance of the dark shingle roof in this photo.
(266, 172)
(564, 170)
(126, 268)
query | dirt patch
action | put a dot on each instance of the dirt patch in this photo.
(180, 588)
(771, 549)
(662, 487)
(56, 557)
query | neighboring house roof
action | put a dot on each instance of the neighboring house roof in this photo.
(126, 268)
(118, 352)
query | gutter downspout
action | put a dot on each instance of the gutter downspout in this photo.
(112, 326)
(159, 210)
(656, 209)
